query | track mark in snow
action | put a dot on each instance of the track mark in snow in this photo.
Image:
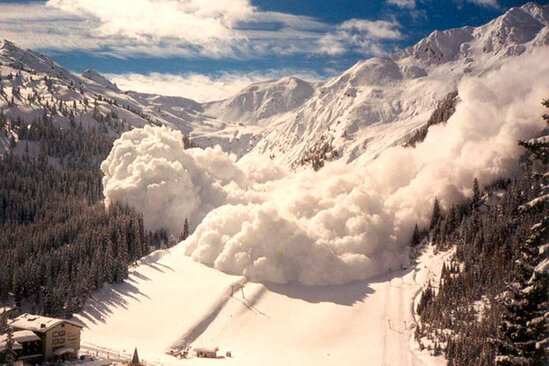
(202, 325)
(250, 303)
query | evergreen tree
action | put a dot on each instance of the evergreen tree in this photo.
(186, 229)
(416, 236)
(436, 215)
(7, 356)
(524, 332)
(476, 192)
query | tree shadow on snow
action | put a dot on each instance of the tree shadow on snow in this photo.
(99, 307)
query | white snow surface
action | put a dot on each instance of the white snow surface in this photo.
(169, 302)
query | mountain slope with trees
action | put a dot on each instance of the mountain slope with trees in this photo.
(491, 306)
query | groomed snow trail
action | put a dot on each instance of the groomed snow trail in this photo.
(171, 301)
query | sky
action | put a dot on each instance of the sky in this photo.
(210, 49)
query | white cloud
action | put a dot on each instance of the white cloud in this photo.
(344, 222)
(200, 87)
(408, 4)
(192, 21)
(165, 28)
(487, 3)
(359, 35)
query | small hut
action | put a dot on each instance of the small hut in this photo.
(206, 352)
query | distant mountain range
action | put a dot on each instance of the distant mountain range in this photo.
(377, 103)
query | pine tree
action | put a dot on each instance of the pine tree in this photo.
(476, 193)
(416, 236)
(436, 216)
(8, 355)
(185, 234)
(525, 325)
(135, 358)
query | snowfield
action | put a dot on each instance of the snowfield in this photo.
(166, 294)
(170, 302)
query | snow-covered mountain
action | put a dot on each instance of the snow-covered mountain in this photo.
(260, 101)
(95, 76)
(379, 102)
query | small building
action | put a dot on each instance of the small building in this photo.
(206, 352)
(26, 346)
(58, 338)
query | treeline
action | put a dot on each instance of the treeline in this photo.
(75, 146)
(58, 241)
(491, 306)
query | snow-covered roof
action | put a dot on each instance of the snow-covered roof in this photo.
(5, 309)
(38, 323)
(63, 351)
(206, 349)
(22, 336)
(3, 343)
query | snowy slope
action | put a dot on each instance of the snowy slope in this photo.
(164, 296)
(262, 100)
(170, 302)
(99, 79)
(378, 102)
(375, 104)
(331, 325)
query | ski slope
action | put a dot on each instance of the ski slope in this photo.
(165, 294)
(170, 302)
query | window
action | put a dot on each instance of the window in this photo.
(58, 341)
(61, 333)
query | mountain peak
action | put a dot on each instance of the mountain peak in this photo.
(507, 34)
(541, 13)
(264, 99)
(95, 76)
(8, 45)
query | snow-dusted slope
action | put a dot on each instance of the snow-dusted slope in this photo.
(164, 296)
(171, 303)
(100, 79)
(379, 101)
(262, 100)
(375, 104)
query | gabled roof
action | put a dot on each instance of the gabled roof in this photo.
(38, 323)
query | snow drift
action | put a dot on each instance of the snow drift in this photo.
(345, 222)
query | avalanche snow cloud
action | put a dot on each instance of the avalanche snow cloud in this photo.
(345, 222)
(150, 170)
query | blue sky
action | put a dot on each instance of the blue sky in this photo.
(218, 46)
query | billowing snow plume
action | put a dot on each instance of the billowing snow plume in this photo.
(149, 170)
(345, 222)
